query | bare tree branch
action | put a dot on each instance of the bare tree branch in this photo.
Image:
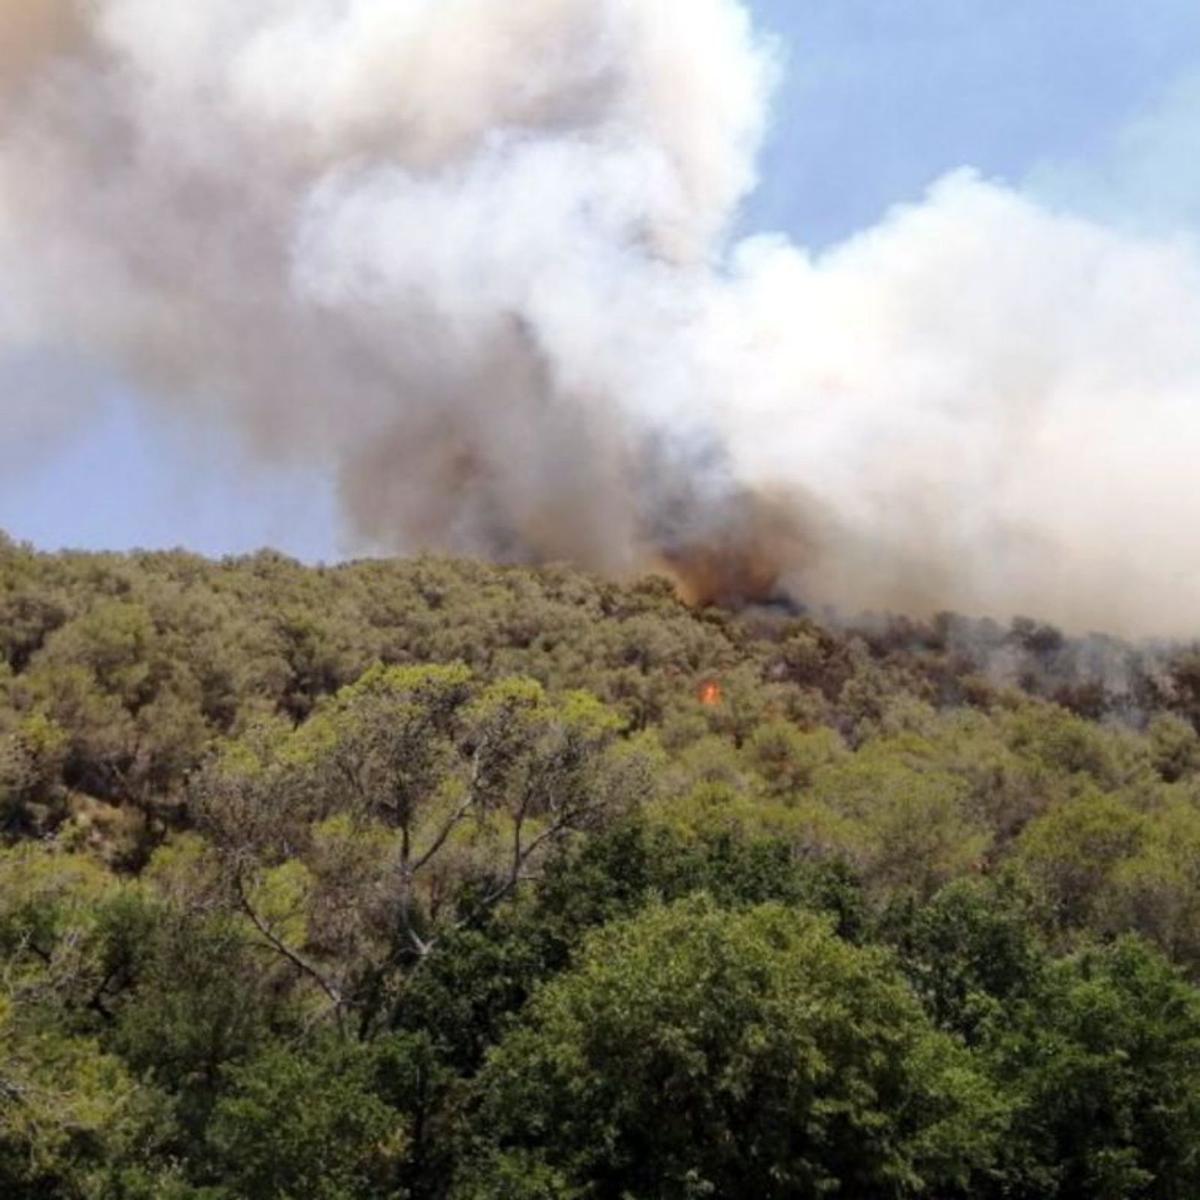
(281, 947)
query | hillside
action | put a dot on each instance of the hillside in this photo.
(430, 878)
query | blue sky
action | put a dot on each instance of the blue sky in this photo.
(1094, 104)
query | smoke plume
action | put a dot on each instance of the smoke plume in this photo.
(475, 256)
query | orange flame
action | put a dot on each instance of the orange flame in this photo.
(710, 693)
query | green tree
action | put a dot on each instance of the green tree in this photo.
(411, 805)
(1074, 851)
(694, 1051)
(305, 1123)
(1102, 1062)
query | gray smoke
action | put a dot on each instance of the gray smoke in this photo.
(474, 256)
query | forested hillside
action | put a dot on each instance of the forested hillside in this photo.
(436, 879)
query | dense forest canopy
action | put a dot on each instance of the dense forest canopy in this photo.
(437, 879)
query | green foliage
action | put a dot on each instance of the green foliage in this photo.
(695, 1051)
(1103, 1061)
(398, 879)
(904, 819)
(305, 1123)
(1074, 850)
(971, 953)
(65, 1107)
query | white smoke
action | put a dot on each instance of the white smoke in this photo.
(1001, 405)
(474, 255)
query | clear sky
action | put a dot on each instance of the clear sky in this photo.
(1092, 104)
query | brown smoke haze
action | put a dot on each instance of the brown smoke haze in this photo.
(475, 257)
